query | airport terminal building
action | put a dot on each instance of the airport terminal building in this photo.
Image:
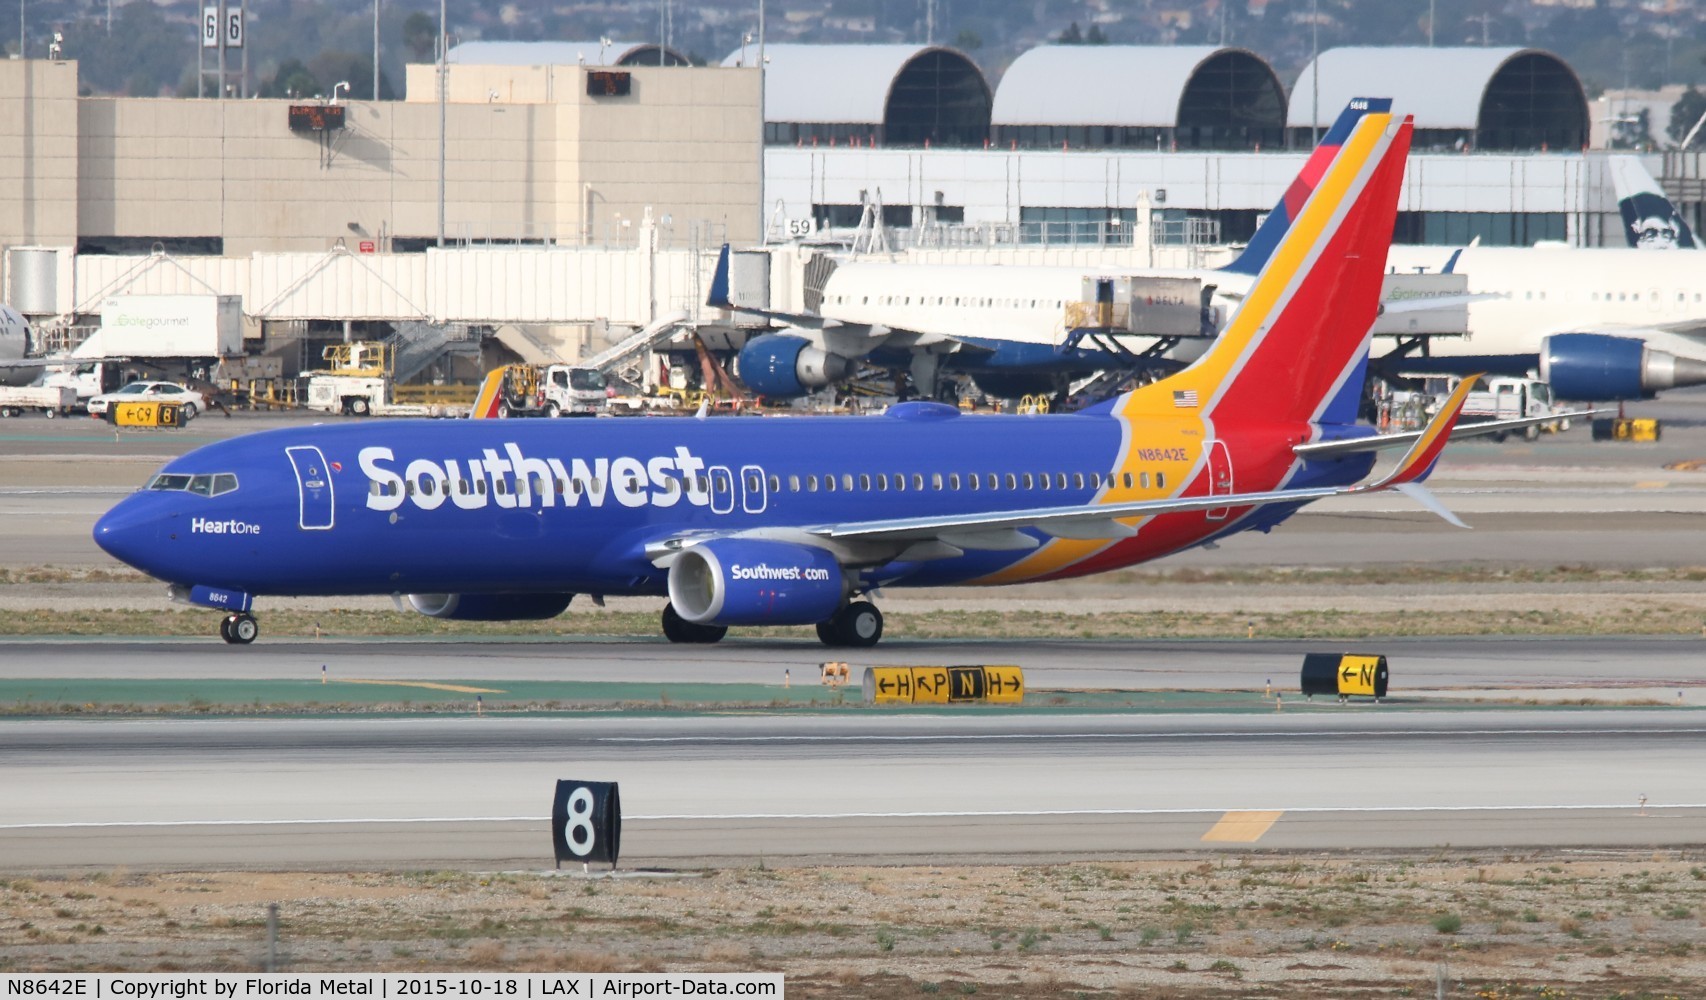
(592, 182)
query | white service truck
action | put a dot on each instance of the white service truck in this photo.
(15, 401)
(550, 391)
(1502, 398)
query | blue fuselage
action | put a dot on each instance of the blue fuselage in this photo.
(579, 506)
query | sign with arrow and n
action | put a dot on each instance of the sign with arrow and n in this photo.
(1003, 685)
(1344, 675)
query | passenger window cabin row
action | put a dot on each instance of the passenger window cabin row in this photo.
(846, 482)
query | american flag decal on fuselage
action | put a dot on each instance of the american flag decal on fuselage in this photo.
(1185, 398)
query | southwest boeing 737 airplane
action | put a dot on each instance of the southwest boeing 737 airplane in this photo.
(795, 520)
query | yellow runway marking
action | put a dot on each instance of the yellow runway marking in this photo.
(422, 684)
(1242, 827)
(1652, 484)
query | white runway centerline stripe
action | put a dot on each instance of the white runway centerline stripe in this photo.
(964, 814)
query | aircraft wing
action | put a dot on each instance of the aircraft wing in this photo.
(66, 362)
(1000, 529)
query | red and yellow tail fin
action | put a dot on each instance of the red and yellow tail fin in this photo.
(1297, 347)
(491, 392)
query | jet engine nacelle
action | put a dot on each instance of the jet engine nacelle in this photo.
(488, 607)
(735, 581)
(1589, 366)
(781, 366)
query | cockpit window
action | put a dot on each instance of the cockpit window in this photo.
(207, 485)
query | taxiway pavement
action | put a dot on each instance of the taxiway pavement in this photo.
(475, 792)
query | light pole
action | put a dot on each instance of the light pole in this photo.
(1314, 75)
(443, 97)
(376, 51)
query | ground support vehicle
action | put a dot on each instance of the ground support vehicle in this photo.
(50, 400)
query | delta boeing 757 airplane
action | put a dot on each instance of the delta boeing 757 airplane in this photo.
(796, 520)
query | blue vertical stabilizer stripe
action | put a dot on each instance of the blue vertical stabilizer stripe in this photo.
(1274, 227)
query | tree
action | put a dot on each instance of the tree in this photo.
(1633, 132)
(292, 80)
(1095, 37)
(1684, 113)
(1071, 36)
(968, 40)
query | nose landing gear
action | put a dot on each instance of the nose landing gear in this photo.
(239, 629)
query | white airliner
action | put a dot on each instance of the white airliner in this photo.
(14, 341)
(1023, 329)
(1597, 323)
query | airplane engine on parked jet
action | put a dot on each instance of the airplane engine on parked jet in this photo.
(781, 366)
(1597, 366)
(488, 607)
(735, 581)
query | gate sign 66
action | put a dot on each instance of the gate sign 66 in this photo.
(586, 821)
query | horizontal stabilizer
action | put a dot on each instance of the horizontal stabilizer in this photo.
(1401, 439)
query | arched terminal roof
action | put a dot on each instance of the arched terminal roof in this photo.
(593, 53)
(900, 94)
(1491, 98)
(1145, 85)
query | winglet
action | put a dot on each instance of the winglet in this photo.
(1419, 461)
(719, 297)
(486, 403)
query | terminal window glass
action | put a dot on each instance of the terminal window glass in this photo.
(1078, 226)
(1497, 229)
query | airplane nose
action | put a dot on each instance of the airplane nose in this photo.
(129, 533)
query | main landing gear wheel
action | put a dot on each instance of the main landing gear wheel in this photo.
(859, 624)
(679, 629)
(239, 629)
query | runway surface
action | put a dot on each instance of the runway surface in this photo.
(790, 787)
(475, 792)
(1490, 667)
